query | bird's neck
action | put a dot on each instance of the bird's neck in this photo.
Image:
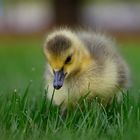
(82, 65)
(85, 56)
(84, 59)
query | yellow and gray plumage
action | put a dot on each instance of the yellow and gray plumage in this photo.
(83, 62)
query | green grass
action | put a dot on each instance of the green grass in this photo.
(26, 114)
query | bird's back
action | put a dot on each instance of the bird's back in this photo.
(102, 49)
(99, 45)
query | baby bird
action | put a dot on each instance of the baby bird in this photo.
(81, 62)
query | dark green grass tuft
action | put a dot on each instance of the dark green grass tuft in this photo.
(24, 117)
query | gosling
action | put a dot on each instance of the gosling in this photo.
(81, 62)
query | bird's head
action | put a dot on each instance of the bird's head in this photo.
(62, 50)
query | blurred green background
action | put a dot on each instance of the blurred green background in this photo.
(23, 61)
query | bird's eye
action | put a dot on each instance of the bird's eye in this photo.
(68, 59)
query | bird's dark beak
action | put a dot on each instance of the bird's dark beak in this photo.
(58, 79)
